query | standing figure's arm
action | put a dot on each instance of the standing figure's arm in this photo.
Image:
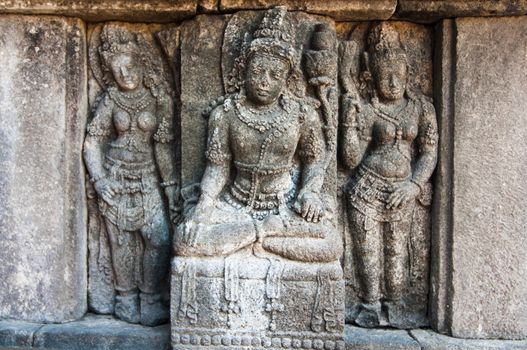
(98, 133)
(164, 152)
(219, 157)
(354, 143)
(312, 152)
(427, 141)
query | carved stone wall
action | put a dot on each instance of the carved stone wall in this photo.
(267, 173)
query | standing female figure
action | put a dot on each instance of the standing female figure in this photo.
(127, 151)
(391, 143)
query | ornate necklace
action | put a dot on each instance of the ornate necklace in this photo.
(250, 117)
(139, 103)
(395, 117)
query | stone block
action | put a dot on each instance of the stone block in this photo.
(102, 10)
(101, 333)
(42, 196)
(429, 11)
(250, 301)
(201, 82)
(433, 341)
(340, 10)
(17, 333)
(479, 275)
(378, 339)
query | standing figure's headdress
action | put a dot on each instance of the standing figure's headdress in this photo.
(115, 40)
(384, 44)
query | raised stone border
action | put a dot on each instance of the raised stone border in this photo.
(340, 10)
(103, 332)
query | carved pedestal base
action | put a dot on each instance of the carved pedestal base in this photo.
(256, 302)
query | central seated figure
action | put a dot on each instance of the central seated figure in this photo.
(257, 257)
(248, 192)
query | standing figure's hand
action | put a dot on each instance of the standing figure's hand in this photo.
(171, 193)
(107, 188)
(402, 194)
(309, 206)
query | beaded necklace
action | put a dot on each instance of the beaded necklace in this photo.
(247, 116)
(132, 103)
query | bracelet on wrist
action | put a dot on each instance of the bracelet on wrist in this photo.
(94, 179)
(168, 183)
(418, 185)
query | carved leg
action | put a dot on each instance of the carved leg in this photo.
(306, 249)
(367, 238)
(123, 246)
(395, 258)
(156, 255)
(156, 260)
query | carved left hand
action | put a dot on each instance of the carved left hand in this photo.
(174, 209)
(402, 194)
(309, 206)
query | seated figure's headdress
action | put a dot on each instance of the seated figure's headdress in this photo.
(272, 37)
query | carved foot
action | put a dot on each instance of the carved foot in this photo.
(369, 315)
(127, 307)
(153, 312)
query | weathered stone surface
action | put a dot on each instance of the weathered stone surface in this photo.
(102, 10)
(432, 10)
(42, 196)
(256, 264)
(129, 230)
(340, 10)
(429, 340)
(101, 333)
(378, 339)
(208, 6)
(479, 277)
(201, 81)
(17, 333)
(370, 261)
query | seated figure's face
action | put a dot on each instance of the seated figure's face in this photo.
(265, 78)
(126, 71)
(390, 77)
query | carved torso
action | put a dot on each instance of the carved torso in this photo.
(134, 123)
(390, 152)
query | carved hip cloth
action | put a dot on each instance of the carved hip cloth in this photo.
(139, 197)
(368, 192)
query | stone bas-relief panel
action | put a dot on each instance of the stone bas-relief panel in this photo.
(257, 253)
(130, 156)
(388, 150)
(42, 197)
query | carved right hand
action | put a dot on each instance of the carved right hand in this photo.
(107, 188)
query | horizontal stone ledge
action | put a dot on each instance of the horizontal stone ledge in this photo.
(433, 10)
(104, 10)
(340, 10)
(96, 332)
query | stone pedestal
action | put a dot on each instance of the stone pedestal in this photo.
(42, 193)
(479, 274)
(254, 302)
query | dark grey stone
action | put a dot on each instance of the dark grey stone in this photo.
(102, 333)
(42, 196)
(479, 275)
(429, 340)
(17, 333)
(378, 339)
(429, 11)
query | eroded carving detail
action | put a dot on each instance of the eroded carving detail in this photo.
(128, 153)
(389, 140)
(260, 227)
